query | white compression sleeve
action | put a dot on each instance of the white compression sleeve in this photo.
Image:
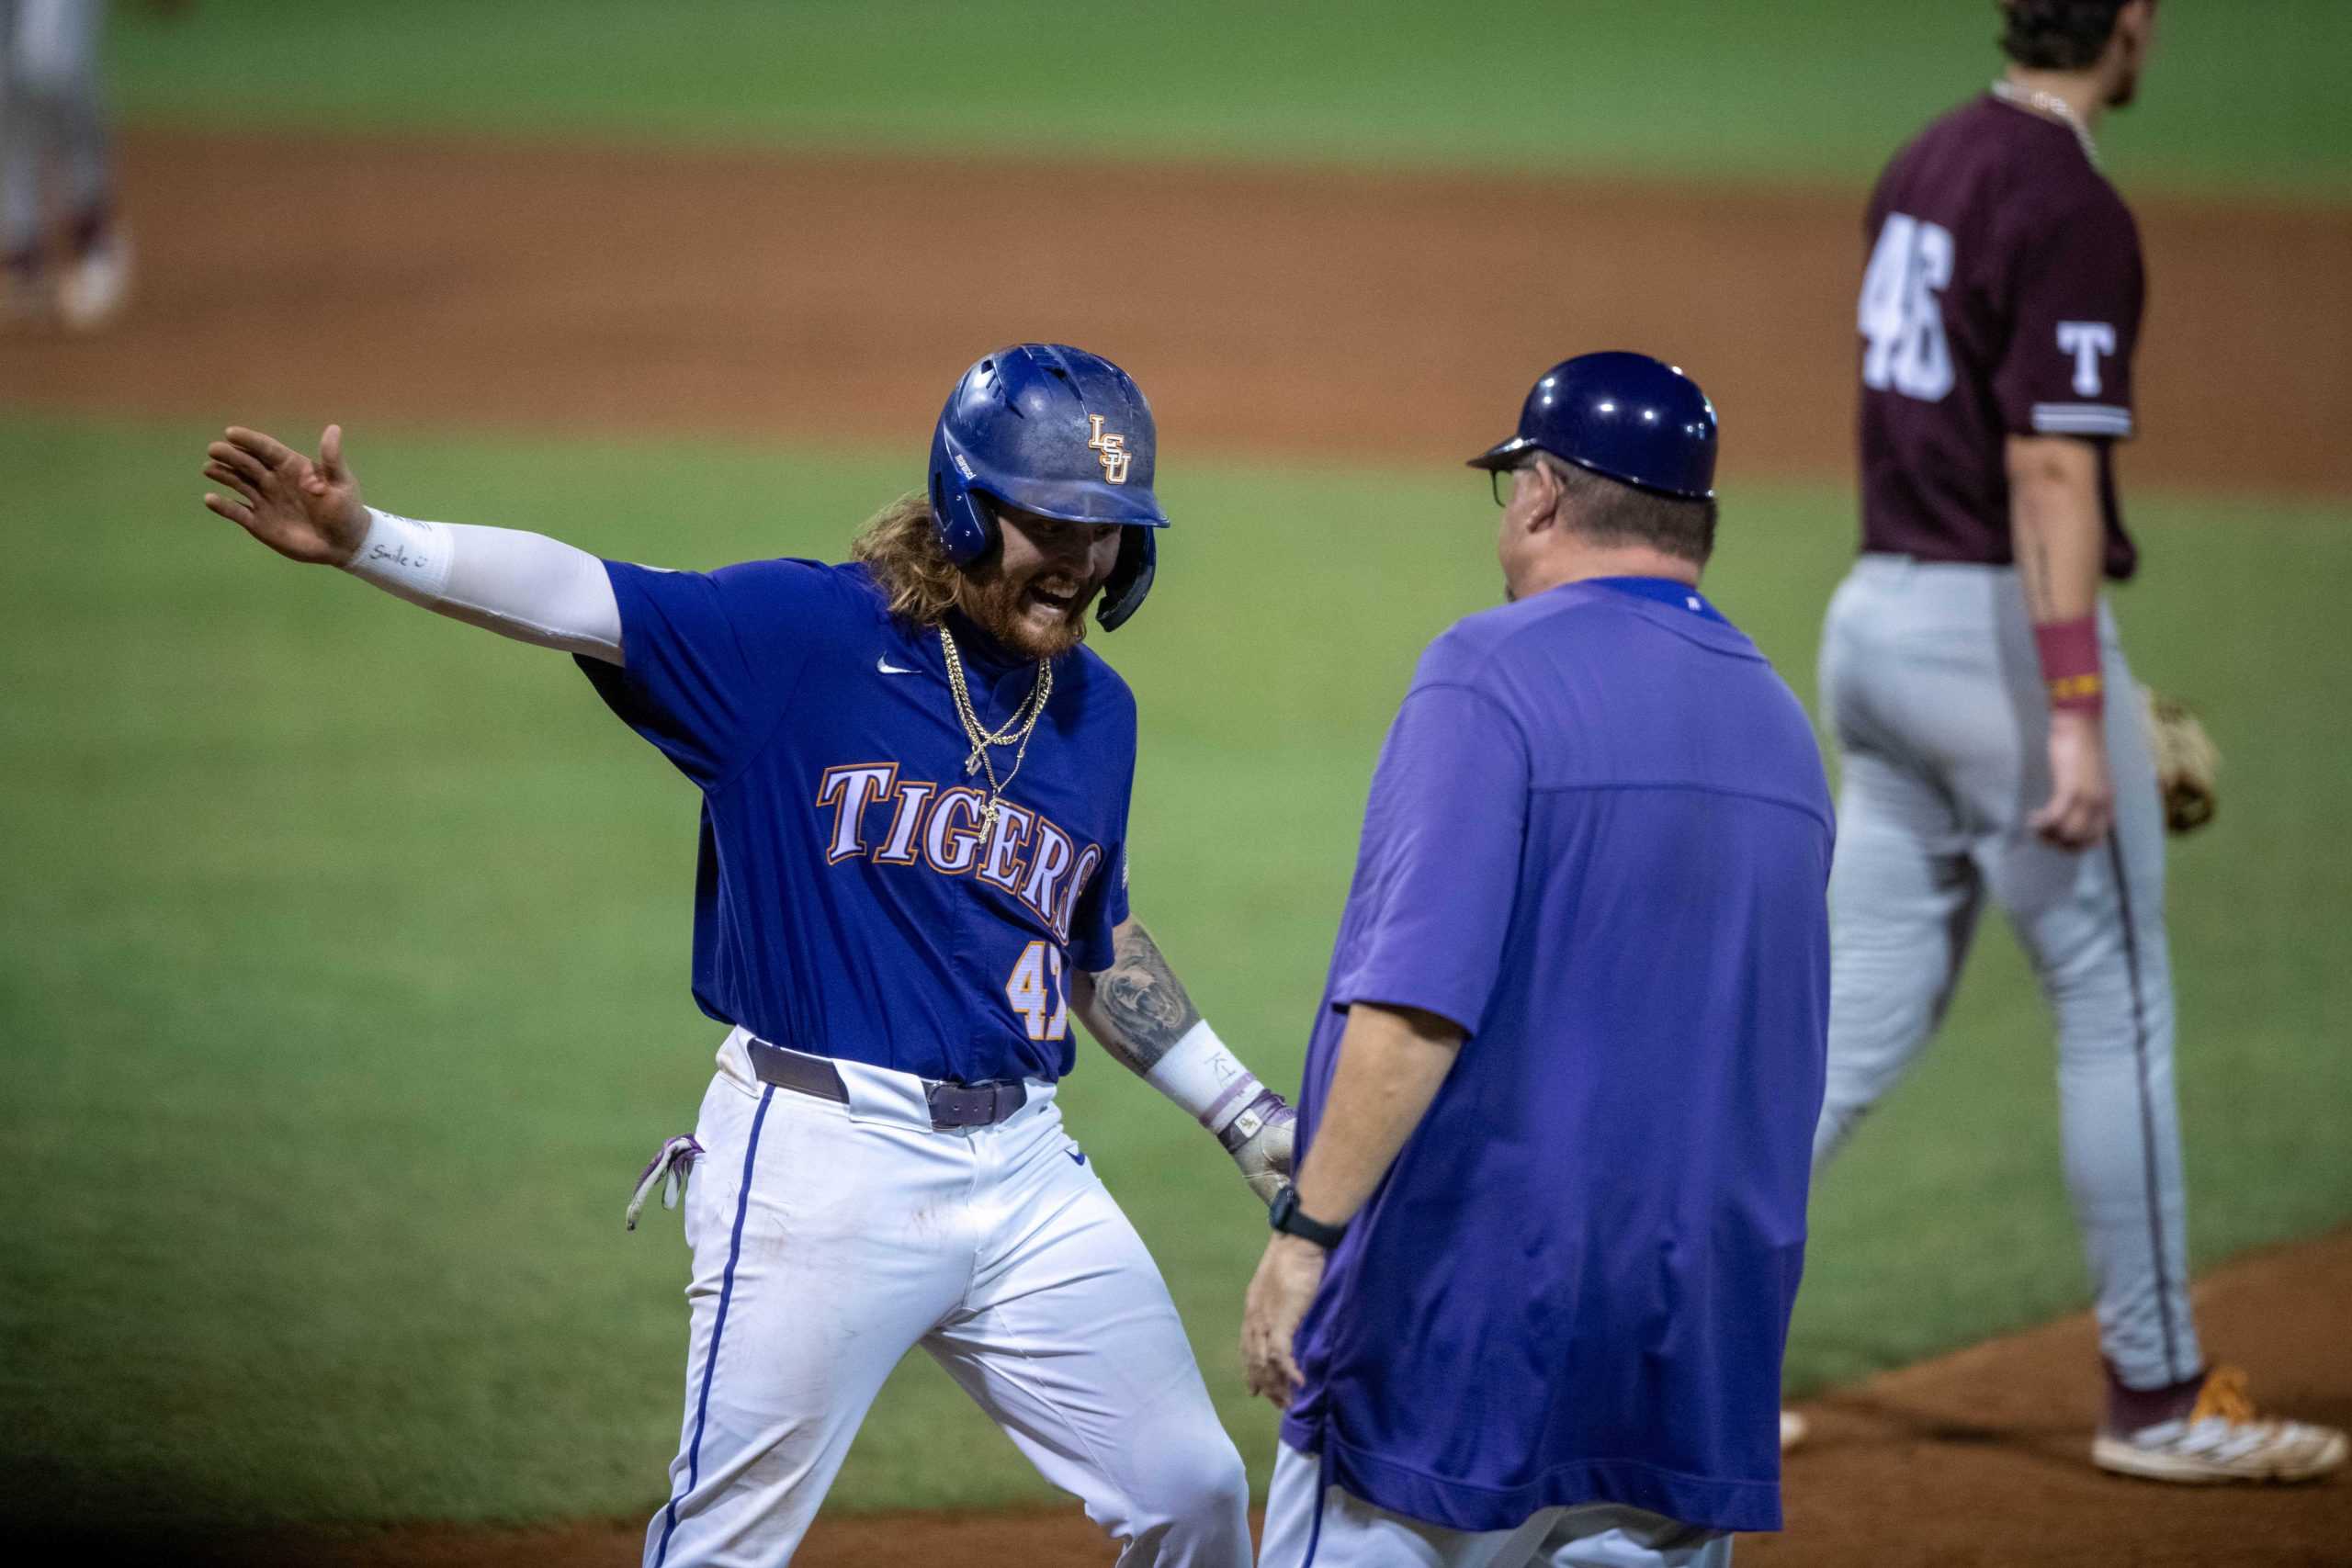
(1199, 1074)
(525, 586)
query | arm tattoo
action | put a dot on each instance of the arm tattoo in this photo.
(1141, 999)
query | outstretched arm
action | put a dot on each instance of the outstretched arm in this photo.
(524, 586)
(1139, 1010)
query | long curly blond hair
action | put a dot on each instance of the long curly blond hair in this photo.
(915, 575)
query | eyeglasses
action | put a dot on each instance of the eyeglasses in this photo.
(1504, 482)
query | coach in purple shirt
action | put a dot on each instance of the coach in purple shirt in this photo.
(1528, 1299)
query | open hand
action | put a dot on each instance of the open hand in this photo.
(306, 511)
(2082, 790)
(1288, 1276)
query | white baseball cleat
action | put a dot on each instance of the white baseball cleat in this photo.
(2223, 1439)
(92, 287)
(1793, 1428)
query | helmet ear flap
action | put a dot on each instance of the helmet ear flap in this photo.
(1130, 580)
(962, 525)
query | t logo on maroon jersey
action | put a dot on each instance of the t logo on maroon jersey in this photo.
(1901, 314)
(2087, 341)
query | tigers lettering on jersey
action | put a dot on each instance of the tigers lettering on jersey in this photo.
(853, 896)
(1027, 856)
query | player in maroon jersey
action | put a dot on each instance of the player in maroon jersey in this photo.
(1994, 740)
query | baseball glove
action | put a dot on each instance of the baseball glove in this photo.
(2186, 762)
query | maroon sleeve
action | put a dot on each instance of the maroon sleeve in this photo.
(2075, 296)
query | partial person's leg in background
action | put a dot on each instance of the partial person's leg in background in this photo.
(21, 151)
(2093, 924)
(1903, 906)
(59, 71)
(1904, 896)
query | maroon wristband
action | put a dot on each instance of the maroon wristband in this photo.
(2069, 654)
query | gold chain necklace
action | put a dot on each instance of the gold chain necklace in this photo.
(1015, 732)
(2051, 105)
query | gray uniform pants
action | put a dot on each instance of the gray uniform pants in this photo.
(1930, 684)
(52, 122)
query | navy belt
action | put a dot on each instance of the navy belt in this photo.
(953, 1105)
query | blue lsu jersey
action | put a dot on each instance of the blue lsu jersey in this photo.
(848, 901)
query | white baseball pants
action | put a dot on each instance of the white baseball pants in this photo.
(829, 1239)
(1929, 678)
(1310, 1525)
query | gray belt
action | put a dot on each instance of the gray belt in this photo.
(953, 1105)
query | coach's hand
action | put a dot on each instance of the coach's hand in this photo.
(1288, 1276)
(306, 511)
(2082, 791)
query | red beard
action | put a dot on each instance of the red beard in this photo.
(1001, 608)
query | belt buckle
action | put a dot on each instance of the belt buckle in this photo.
(975, 1105)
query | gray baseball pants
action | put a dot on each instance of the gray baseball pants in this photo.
(1930, 685)
(50, 111)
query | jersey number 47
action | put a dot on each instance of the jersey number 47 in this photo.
(1037, 991)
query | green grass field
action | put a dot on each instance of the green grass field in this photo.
(343, 987)
(342, 950)
(2243, 97)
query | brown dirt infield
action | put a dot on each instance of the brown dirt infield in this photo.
(1284, 315)
(1975, 1458)
(1279, 313)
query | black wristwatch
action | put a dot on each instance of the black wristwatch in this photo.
(1283, 1214)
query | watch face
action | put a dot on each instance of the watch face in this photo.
(1283, 1214)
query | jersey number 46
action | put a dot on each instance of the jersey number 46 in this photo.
(1036, 991)
(1902, 313)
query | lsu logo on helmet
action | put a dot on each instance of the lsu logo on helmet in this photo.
(1111, 451)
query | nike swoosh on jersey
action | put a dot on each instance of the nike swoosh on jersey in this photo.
(884, 665)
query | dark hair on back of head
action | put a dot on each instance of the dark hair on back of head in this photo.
(1610, 511)
(2057, 35)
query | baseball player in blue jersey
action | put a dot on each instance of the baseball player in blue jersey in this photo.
(913, 875)
(1527, 1300)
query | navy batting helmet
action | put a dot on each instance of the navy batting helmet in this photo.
(1058, 432)
(1625, 415)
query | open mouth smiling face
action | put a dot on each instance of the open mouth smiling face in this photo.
(1048, 572)
(1058, 593)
